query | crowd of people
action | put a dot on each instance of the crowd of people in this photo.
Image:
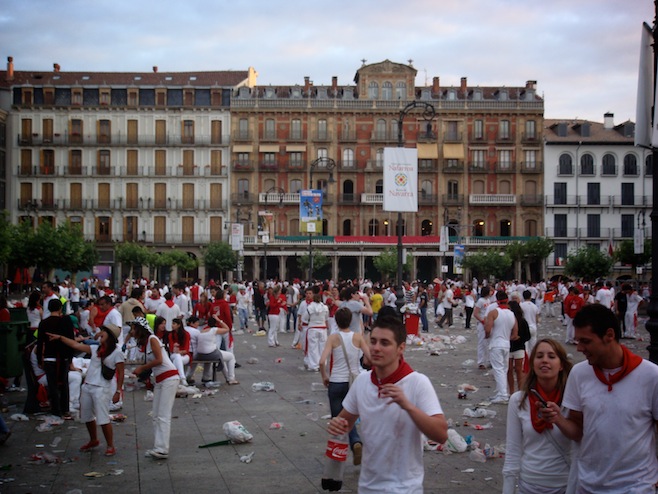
(352, 333)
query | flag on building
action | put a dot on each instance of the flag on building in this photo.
(645, 91)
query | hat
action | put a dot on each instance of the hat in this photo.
(142, 322)
(75, 321)
(113, 329)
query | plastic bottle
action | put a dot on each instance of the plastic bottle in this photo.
(336, 454)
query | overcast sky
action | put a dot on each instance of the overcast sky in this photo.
(583, 53)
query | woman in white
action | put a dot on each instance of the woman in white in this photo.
(479, 314)
(538, 454)
(318, 318)
(345, 348)
(95, 393)
(634, 300)
(166, 384)
(207, 351)
(34, 313)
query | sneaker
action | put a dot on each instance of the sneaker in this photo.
(357, 450)
(89, 446)
(261, 332)
(500, 401)
(116, 406)
(110, 451)
(151, 453)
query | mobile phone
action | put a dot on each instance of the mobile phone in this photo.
(539, 397)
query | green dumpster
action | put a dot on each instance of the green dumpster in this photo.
(12, 342)
(18, 314)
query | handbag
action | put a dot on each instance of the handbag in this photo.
(347, 360)
(107, 372)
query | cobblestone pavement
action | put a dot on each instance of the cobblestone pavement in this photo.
(285, 460)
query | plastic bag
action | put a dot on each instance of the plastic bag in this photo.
(236, 432)
(440, 310)
(479, 413)
(477, 455)
(456, 443)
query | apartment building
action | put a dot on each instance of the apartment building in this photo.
(129, 156)
(598, 186)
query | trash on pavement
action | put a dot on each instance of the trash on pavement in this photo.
(247, 458)
(456, 443)
(476, 412)
(237, 432)
(262, 386)
(276, 426)
(19, 417)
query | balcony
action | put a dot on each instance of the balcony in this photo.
(368, 198)
(384, 136)
(452, 199)
(243, 135)
(276, 198)
(427, 199)
(449, 166)
(569, 233)
(375, 165)
(453, 137)
(121, 140)
(505, 168)
(347, 165)
(504, 139)
(424, 136)
(295, 166)
(348, 136)
(239, 198)
(427, 166)
(242, 166)
(531, 200)
(297, 136)
(594, 201)
(631, 201)
(530, 139)
(559, 201)
(621, 233)
(322, 136)
(348, 199)
(267, 166)
(478, 168)
(493, 199)
(269, 137)
(597, 233)
(531, 167)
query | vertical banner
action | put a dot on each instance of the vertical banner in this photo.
(444, 239)
(401, 179)
(638, 241)
(237, 236)
(310, 211)
(266, 219)
(459, 259)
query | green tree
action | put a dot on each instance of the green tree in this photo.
(75, 254)
(517, 253)
(132, 254)
(537, 250)
(218, 256)
(20, 246)
(183, 261)
(319, 261)
(625, 253)
(387, 263)
(47, 247)
(588, 263)
(488, 263)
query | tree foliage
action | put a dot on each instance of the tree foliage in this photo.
(537, 249)
(319, 261)
(218, 256)
(588, 263)
(387, 263)
(132, 254)
(488, 263)
(625, 253)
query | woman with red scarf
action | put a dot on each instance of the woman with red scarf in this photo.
(274, 303)
(538, 454)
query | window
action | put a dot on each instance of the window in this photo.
(322, 152)
(76, 96)
(478, 158)
(295, 160)
(270, 129)
(530, 158)
(594, 225)
(295, 186)
(505, 159)
(565, 165)
(379, 186)
(103, 228)
(630, 165)
(296, 129)
(426, 228)
(478, 129)
(75, 162)
(586, 165)
(243, 188)
(504, 130)
(188, 162)
(505, 228)
(373, 90)
(269, 160)
(560, 253)
(401, 90)
(380, 130)
(609, 165)
(628, 194)
(531, 228)
(387, 90)
(104, 132)
(160, 162)
(453, 189)
(348, 158)
(160, 132)
(132, 133)
(560, 192)
(593, 194)
(373, 228)
(188, 132)
(452, 131)
(347, 227)
(648, 164)
(48, 162)
(243, 159)
(379, 160)
(531, 130)
(627, 229)
(47, 129)
(560, 224)
(322, 129)
(243, 128)
(426, 189)
(76, 131)
(103, 162)
(159, 229)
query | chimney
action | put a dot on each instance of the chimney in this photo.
(307, 83)
(608, 121)
(531, 85)
(334, 83)
(155, 69)
(56, 67)
(436, 87)
(10, 69)
(464, 86)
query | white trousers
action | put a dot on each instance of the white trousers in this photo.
(629, 320)
(530, 344)
(272, 339)
(483, 346)
(282, 320)
(179, 362)
(499, 358)
(571, 332)
(228, 359)
(75, 384)
(317, 337)
(164, 394)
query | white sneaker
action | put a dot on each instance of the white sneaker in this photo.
(151, 453)
(116, 406)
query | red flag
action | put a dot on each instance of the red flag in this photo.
(610, 250)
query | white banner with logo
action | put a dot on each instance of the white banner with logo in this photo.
(237, 236)
(401, 179)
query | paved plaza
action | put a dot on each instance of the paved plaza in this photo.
(287, 458)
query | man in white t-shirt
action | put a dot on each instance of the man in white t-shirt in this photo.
(531, 315)
(604, 295)
(397, 406)
(500, 327)
(612, 402)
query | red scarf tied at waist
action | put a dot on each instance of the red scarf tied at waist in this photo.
(538, 423)
(630, 362)
(403, 370)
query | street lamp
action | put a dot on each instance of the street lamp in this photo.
(428, 115)
(280, 192)
(322, 164)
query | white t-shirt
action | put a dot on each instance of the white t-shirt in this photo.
(530, 312)
(502, 329)
(392, 444)
(94, 376)
(194, 338)
(618, 448)
(604, 297)
(530, 455)
(481, 305)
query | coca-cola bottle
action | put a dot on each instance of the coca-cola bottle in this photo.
(334, 466)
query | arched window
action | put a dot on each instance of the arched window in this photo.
(387, 90)
(347, 228)
(586, 164)
(630, 165)
(609, 165)
(294, 226)
(478, 187)
(380, 131)
(348, 158)
(505, 187)
(478, 228)
(401, 90)
(380, 157)
(348, 191)
(530, 228)
(295, 186)
(373, 90)
(426, 189)
(379, 186)
(373, 228)
(426, 228)
(505, 228)
(565, 166)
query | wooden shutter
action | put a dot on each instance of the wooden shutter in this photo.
(26, 162)
(47, 130)
(47, 195)
(132, 195)
(104, 196)
(160, 196)
(159, 229)
(132, 158)
(26, 193)
(216, 132)
(215, 228)
(215, 196)
(215, 162)
(26, 130)
(132, 132)
(76, 195)
(160, 162)
(161, 132)
(188, 162)
(188, 229)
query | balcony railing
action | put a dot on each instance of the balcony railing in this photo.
(499, 199)
(348, 199)
(452, 199)
(530, 138)
(374, 165)
(532, 200)
(505, 168)
(531, 167)
(384, 136)
(428, 199)
(631, 201)
(242, 166)
(595, 202)
(347, 165)
(478, 168)
(123, 140)
(561, 232)
(558, 201)
(427, 166)
(453, 137)
(368, 198)
(322, 136)
(242, 198)
(451, 167)
(275, 198)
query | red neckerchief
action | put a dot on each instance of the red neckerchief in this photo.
(169, 303)
(538, 423)
(403, 370)
(630, 362)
